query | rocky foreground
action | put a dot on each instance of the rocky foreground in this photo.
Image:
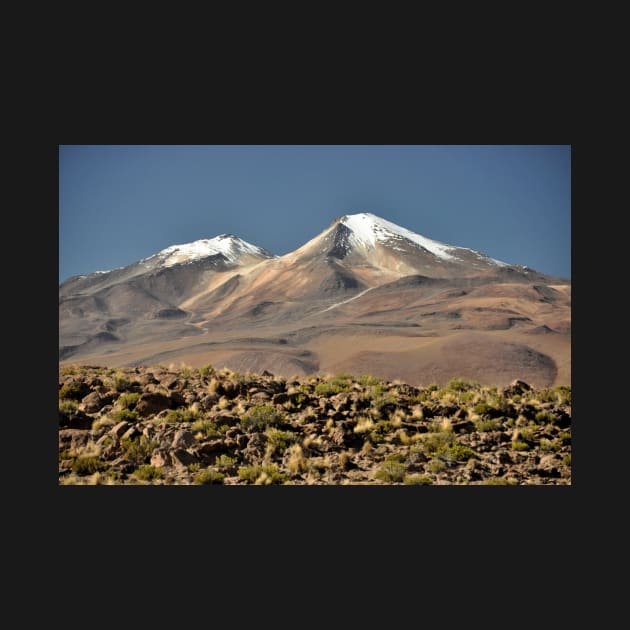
(171, 426)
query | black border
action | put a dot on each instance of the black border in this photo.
(378, 515)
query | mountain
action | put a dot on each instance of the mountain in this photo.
(364, 296)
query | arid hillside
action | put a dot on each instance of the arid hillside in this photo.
(179, 426)
(363, 296)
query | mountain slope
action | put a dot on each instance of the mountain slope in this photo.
(364, 292)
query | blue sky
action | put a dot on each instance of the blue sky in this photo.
(118, 204)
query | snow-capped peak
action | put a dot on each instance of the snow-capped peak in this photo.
(232, 248)
(368, 229)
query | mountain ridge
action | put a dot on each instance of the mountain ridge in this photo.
(361, 272)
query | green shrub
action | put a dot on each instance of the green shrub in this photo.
(564, 437)
(122, 384)
(261, 416)
(207, 427)
(330, 389)
(137, 449)
(279, 440)
(72, 392)
(436, 443)
(225, 460)
(207, 370)
(461, 385)
(487, 425)
(458, 453)
(566, 460)
(417, 480)
(517, 445)
(498, 481)
(128, 401)
(436, 466)
(181, 415)
(69, 407)
(124, 415)
(391, 471)
(147, 473)
(87, 465)
(545, 417)
(270, 474)
(366, 380)
(208, 477)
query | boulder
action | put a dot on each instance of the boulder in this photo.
(516, 388)
(73, 438)
(130, 433)
(182, 439)
(182, 458)
(207, 402)
(151, 403)
(93, 402)
(119, 429)
(160, 458)
(74, 419)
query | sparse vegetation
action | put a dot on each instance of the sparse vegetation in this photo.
(128, 400)
(87, 465)
(147, 472)
(181, 415)
(137, 449)
(242, 428)
(392, 470)
(124, 415)
(261, 475)
(417, 480)
(71, 392)
(209, 477)
(262, 416)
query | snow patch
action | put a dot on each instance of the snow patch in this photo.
(368, 229)
(232, 247)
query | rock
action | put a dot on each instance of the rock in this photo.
(340, 401)
(169, 381)
(241, 440)
(182, 458)
(207, 402)
(160, 458)
(516, 388)
(119, 429)
(92, 403)
(73, 438)
(65, 465)
(74, 419)
(336, 415)
(123, 465)
(227, 419)
(464, 426)
(130, 433)
(260, 397)
(502, 456)
(183, 439)
(104, 439)
(177, 400)
(148, 432)
(338, 436)
(152, 403)
(214, 446)
(280, 399)
(266, 373)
